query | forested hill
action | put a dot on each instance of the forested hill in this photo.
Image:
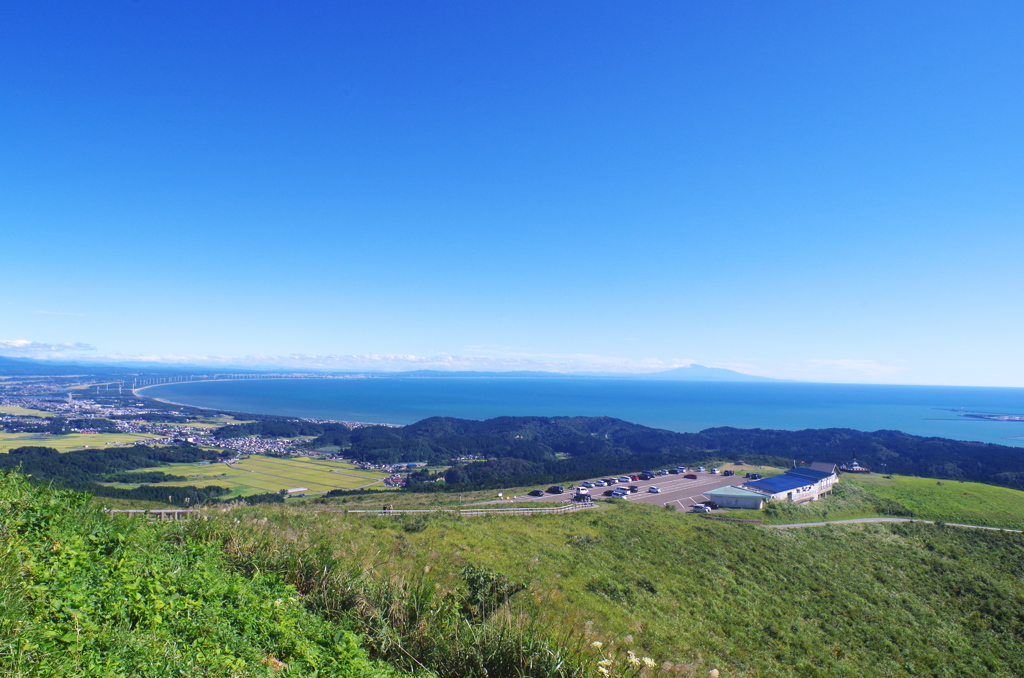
(562, 448)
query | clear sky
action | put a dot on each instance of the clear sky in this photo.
(810, 190)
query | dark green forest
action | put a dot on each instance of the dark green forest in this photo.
(553, 449)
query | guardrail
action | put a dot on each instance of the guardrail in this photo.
(477, 512)
(157, 514)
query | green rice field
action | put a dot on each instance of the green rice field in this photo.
(71, 441)
(257, 474)
(24, 412)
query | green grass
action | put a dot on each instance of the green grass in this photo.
(855, 600)
(90, 595)
(870, 496)
(71, 441)
(949, 500)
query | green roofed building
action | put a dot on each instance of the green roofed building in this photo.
(736, 497)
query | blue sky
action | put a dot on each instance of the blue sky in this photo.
(808, 190)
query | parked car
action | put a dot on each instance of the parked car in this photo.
(587, 484)
(608, 493)
(700, 469)
(634, 489)
(646, 476)
(691, 476)
(600, 483)
(556, 489)
(673, 471)
(654, 489)
(699, 508)
(634, 476)
(753, 476)
(728, 472)
(620, 493)
(537, 493)
(623, 479)
(714, 471)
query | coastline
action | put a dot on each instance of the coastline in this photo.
(135, 392)
(674, 406)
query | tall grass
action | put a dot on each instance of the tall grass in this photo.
(433, 616)
(90, 595)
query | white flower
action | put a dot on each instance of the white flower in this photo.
(598, 644)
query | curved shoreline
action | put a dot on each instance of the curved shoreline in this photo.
(135, 392)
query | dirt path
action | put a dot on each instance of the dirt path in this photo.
(888, 520)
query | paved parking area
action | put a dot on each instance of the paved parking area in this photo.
(675, 489)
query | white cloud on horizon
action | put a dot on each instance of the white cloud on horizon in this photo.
(496, 361)
(23, 348)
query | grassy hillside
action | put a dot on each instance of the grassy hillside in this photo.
(502, 596)
(87, 595)
(865, 496)
(879, 600)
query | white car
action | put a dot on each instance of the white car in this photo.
(654, 489)
(700, 469)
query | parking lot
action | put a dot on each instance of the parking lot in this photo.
(675, 489)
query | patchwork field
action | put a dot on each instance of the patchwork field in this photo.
(71, 441)
(257, 474)
(24, 412)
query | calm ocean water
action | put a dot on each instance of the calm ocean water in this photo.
(677, 406)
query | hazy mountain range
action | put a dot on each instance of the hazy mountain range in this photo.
(30, 367)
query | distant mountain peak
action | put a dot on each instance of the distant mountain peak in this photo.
(695, 372)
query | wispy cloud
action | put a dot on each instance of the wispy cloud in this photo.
(497, 359)
(26, 348)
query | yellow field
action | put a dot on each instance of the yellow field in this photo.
(270, 474)
(24, 412)
(71, 441)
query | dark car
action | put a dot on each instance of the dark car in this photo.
(537, 493)
(691, 476)
(673, 471)
(753, 476)
(556, 489)
(609, 493)
(634, 489)
(646, 476)
(728, 473)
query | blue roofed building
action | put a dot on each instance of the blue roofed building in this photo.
(824, 479)
(798, 485)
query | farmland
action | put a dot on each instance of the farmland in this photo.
(24, 412)
(71, 441)
(257, 474)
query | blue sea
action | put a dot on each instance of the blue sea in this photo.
(677, 406)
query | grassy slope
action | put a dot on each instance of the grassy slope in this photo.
(901, 496)
(880, 600)
(86, 595)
